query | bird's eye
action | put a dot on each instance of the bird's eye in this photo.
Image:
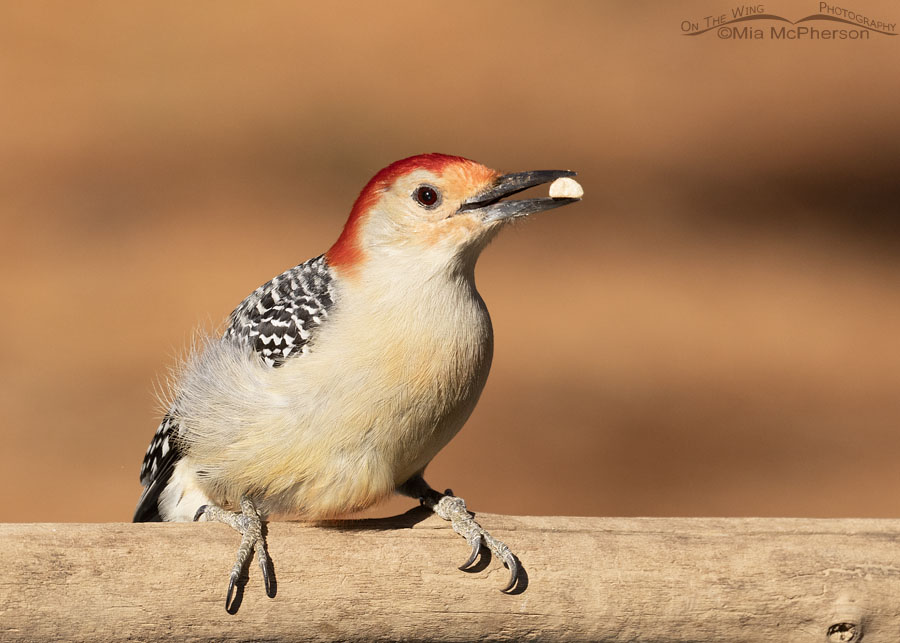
(427, 196)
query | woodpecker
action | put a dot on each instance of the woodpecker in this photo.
(336, 383)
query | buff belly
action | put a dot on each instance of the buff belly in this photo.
(331, 432)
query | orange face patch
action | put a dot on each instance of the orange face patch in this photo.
(461, 178)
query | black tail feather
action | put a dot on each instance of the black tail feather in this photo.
(148, 506)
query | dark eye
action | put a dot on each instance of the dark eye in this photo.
(427, 195)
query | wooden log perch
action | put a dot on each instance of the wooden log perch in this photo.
(599, 579)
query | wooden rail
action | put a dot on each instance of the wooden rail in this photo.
(599, 579)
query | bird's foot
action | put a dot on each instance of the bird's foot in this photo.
(249, 524)
(451, 508)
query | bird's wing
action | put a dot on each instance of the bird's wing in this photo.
(278, 319)
(277, 322)
(156, 469)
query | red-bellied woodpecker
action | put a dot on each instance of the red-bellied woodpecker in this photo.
(338, 381)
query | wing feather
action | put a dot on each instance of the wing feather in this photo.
(277, 321)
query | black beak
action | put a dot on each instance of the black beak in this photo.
(491, 208)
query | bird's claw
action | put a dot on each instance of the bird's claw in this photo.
(476, 549)
(231, 581)
(249, 524)
(263, 559)
(454, 509)
(510, 561)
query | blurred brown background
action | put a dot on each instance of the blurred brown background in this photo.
(713, 331)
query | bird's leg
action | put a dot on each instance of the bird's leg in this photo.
(451, 508)
(249, 524)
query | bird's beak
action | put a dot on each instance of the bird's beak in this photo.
(489, 205)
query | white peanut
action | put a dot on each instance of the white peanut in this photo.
(566, 188)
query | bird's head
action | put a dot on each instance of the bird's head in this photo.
(435, 209)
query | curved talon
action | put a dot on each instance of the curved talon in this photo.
(476, 549)
(270, 589)
(263, 559)
(513, 567)
(231, 583)
(200, 512)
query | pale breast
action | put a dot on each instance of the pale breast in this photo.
(383, 389)
(414, 375)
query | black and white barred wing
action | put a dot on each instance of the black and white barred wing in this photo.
(277, 322)
(156, 469)
(278, 319)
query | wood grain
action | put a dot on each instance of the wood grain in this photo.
(610, 579)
